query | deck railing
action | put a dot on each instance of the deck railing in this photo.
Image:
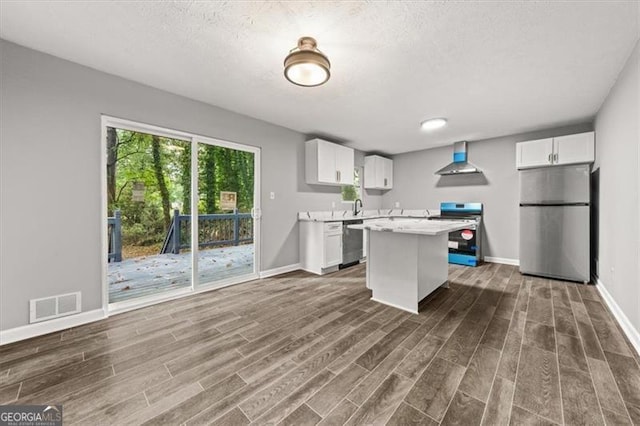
(114, 225)
(213, 230)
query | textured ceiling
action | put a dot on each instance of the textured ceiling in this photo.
(491, 68)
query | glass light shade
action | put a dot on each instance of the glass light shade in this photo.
(307, 74)
(434, 123)
(305, 65)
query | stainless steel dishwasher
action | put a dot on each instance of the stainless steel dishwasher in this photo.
(351, 243)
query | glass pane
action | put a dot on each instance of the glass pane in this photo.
(148, 181)
(225, 202)
(351, 193)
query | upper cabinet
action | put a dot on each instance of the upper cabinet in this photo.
(327, 163)
(378, 172)
(571, 149)
(536, 153)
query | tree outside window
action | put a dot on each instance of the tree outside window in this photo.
(350, 193)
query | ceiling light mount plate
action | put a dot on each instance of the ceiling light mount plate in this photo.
(306, 65)
(433, 124)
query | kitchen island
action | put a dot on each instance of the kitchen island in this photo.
(407, 260)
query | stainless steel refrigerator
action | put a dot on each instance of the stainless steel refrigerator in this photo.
(554, 222)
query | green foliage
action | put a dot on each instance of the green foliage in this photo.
(165, 173)
(207, 160)
(224, 169)
(352, 192)
(184, 160)
(349, 193)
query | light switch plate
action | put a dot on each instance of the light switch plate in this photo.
(272, 195)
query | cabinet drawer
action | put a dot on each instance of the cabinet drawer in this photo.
(333, 228)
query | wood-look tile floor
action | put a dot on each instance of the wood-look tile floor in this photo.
(495, 348)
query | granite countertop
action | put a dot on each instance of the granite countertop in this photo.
(342, 215)
(418, 226)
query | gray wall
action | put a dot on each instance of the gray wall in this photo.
(415, 184)
(50, 173)
(618, 160)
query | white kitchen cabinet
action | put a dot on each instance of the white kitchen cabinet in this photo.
(332, 250)
(562, 150)
(378, 172)
(320, 246)
(536, 153)
(345, 164)
(327, 163)
(387, 173)
(574, 149)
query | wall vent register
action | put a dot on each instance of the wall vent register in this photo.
(52, 307)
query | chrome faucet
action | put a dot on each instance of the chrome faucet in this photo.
(355, 206)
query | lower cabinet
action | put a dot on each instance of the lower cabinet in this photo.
(332, 250)
(320, 246)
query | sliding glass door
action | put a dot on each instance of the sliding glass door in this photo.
(145, 187)
(226, 191)
(182, 213)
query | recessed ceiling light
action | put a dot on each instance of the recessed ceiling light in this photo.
(305, 65)
(433, 123)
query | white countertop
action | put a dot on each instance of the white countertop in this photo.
(416, 226)
(342, 215)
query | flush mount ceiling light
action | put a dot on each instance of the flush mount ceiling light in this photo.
(433, 123)
(305, 65)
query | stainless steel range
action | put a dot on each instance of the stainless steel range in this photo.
(464, 245)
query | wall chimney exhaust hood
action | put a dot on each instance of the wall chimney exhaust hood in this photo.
(460, 164)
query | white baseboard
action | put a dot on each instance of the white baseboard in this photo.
(280, 270)
(625, 324)
(38, 329)
(503, 260)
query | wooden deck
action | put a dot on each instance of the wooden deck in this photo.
(148, 275)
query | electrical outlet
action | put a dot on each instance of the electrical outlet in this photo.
(272, 195)
(333, 204)
(397, 204)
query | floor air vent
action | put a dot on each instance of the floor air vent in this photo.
(54, 307)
